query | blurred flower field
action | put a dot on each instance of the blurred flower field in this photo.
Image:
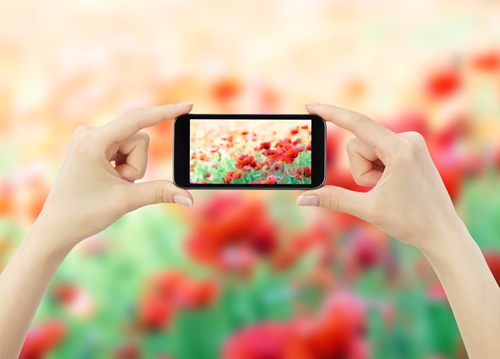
(251, 152)
(248, 275)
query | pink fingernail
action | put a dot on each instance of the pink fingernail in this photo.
(183, 201)
(308, 201)
(312, 103)
(185, 103)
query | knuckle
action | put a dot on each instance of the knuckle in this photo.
(136, 114)
(80, 130)
(84, 139)
(409, 151)
(143, 136)
(351, 144)
(334, 201)
(161, 195)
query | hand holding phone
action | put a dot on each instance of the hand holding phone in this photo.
(249, 151)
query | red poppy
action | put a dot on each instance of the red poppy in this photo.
(336, 333)
(290, 155)
(285, 143)
(276, 155)
(203, 157)
(304, 127)
(192, 294)
(260, 341)
(294, 131)
(218, 227)
(271, 179)
(244, 161)
(154, 312)
(443, 83)
(42, 339)
(244, 132)
(302, 172)
(493, 260)
(65, 293)
(487, 61)
(265, 145)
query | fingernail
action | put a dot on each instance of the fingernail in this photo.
(183, 201)
(312, 103)
(308, 201)
(185, 103)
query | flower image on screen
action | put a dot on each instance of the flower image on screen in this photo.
(250, 152)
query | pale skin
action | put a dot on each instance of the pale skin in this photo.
(408, 201)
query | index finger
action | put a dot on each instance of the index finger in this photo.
(126, 126)
(370, 132)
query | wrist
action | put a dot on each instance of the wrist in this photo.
(49, 242)
(450, 241)
(451, 233)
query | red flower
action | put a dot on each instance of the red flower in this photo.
(302, 172)
(244, 161)
(276, 155)
(493, 260)
(42, 339)
(65, 293)
(294, 131)
(219, 227)
(271, 180)
(443, 83)
(260, 341)
(196, 294)
(290, 155)
(154, 312)
(336, 333)
(487, 61)
(265, 145)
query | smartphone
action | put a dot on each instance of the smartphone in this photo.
(243, 151)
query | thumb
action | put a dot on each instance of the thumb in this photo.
(337, 199)
(154, 192)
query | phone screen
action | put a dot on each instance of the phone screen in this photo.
(250, 152)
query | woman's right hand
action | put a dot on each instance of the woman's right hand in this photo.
(408, 200)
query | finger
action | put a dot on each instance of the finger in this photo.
(124, 127)
(370, 132)
(337, 199)
(366, 167)
(132, 157)
(153, 192)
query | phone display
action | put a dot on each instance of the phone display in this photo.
(249, 151)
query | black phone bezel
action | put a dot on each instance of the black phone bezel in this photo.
(182, 153)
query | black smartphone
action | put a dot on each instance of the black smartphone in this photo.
(243, 151)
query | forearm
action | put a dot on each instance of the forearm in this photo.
(22, 286)
(472, 291)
